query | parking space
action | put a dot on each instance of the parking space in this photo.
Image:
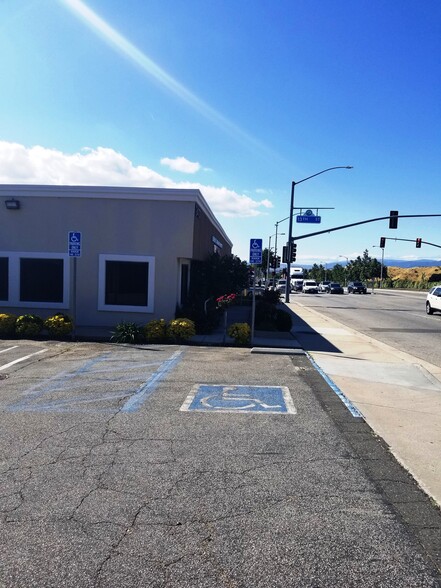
(82, 378)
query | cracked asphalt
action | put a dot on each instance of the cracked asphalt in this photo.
(94, 495)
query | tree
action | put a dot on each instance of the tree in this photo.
(264, 263)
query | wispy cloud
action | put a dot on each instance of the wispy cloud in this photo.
(118, 42)
(181, 164)
(106, 167)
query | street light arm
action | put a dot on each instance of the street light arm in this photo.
(325, 170)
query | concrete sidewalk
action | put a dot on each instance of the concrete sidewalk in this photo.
(399, 395)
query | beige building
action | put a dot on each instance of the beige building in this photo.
(102, 254)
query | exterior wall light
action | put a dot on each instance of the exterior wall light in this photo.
(12, 204)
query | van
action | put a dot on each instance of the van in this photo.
(310, 287)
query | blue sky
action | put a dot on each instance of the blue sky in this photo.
(237, 98)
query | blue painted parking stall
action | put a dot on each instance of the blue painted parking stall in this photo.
(239, 399)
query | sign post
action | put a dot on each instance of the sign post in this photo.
(74, 250)
(255, 259)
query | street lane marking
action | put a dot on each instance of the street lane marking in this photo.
(11, 363)
(239, 399)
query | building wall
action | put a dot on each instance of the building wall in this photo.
(153, 225)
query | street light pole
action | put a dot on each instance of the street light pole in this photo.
(291, 211)
(346, 268)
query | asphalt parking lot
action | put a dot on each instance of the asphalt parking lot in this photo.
(189, 466)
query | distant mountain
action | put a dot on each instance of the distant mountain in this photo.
(414, 263)
(388, 262)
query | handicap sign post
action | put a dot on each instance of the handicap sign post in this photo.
(74, 244)
(255, 251)
(255, 259)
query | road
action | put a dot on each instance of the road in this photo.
(396, 318)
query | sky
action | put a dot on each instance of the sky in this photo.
(238, 98)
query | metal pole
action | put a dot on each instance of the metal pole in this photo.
(288, 265)
(275, 251)
(382, 263)
(268, 259)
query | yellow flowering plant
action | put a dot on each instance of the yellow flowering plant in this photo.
(156, 330)
(7, 324)
(181, 329)
(240, 332)
(28, 325)
(59, 325)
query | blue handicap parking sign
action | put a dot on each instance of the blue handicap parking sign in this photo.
(234, 398)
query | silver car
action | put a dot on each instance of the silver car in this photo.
(433, 300)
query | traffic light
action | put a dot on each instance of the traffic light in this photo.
(418, 242)
(285, 254)
(293, 251)
(393, 220)
(278, 261)
(382, 242)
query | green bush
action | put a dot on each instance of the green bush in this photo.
(283, 320)
(29, 325)
(7, 324)
(271, 296)
(156, 330)
(59, 325)
(265, 313)
(126, 332)
(240, 332)
(181, 329)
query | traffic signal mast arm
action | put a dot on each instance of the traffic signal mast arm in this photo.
(371, 220)
(411, 241)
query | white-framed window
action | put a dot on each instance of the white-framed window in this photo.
(40, 280)
(126, 282)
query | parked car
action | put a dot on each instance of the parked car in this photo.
(336, 288)
(324, 286)
(310, 287)
(433, 300)
(297, 284)
(356, 287)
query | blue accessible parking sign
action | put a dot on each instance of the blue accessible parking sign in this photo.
(234, 398)
(255, 251)
(74, 244)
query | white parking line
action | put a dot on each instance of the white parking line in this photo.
(8, 349)
(4, 367)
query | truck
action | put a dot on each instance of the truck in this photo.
(297, 274)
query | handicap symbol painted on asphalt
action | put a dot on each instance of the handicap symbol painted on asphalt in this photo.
(239, 399)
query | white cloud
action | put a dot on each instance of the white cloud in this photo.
(181, 164)
(106, 167)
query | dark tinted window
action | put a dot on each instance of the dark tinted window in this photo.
(4, 278)
(41, 280)
(126, 283)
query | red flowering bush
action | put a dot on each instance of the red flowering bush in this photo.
(225, 301)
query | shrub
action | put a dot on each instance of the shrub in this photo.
(271, 296)
(240, 332)
(265, 313)
(28, 325)
(126, 332)
(283, 320)
(59, 325)
(156, 330)
(181, 329)
(7, 324)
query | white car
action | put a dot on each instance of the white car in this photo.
(310, 287)
(433, 300)
(324, 286)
